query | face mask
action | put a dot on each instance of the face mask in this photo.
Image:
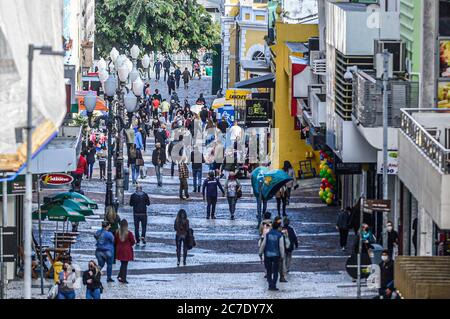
(389, 228)
(384, 258)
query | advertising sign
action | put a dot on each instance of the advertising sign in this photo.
(227, 112)
(237, 94)
(341, 168)
(56, 179)
(444, 94)
(444, 58)
(257, 113)
(392, 162)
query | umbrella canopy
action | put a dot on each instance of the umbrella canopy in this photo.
(196, 108)
(257, 175)
(60, 213)
(77, 197)
(78, 207)
(273, 181)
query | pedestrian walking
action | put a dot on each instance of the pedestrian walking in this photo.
(80, 170)
(272, 247)
(281, 197)
(113, 219)
(155, 107)
(171, 83)
(186, 76)
(287, 243)
(181, 227)
(392, 240)
(158, 160)
(265, 226)
(288, 169)
(102, 156)
(157, 68)
(293, 240)
(138, 160)
(183, 174)
(157, 96)
(197, 70)
(139, 200)
(166, 66)
(66, 280)
(175, 150)
(386, 272)
(177, 74)
(201, 99)
(223, 125)
(91, 279)
(91, 159)
(232, 191)
(197, 161)
(104, 251)
(343, 225)
(210, 186)
(124, 241)
(165, 108)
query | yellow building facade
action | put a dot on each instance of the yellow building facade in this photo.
(286, 143)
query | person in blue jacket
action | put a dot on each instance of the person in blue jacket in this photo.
(105, 249)
(210, 185)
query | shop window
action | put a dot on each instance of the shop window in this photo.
(444, 18)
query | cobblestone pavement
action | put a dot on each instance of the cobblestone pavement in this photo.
(225, 263)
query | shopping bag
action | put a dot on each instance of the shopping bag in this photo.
(53, 292)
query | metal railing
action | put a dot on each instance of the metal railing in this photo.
(429, 145)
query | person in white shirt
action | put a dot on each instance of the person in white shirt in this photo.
(235, 132)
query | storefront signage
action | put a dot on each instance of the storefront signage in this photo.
(17, 186)
(237, 94)
(392, 163)
(346, 168)
(9, 239)
(377, 205)
(257, 113)
(56, 179)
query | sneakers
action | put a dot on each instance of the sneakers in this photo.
(283, 280)
(143, 241)
(110, 280)
(213, 217)
(178, 263)
(232, 217)
(184, 262)
(273, 289)
(207, 217)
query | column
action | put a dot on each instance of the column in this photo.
(425, 235)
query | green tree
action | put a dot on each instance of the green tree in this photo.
(165, 26)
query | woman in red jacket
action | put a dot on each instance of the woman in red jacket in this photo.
(124, 249)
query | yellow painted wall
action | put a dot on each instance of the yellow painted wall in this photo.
(288, 145)
(232, 66)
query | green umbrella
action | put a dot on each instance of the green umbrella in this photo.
(60, 213)
(35, 215)
(76, 197)
(78, 207)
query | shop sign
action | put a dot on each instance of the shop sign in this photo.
(257, 113)
(56, 179)
(341, 168)
(9, 240)
(237, 94)
(17, 186)
(376, 205)
(392, 162)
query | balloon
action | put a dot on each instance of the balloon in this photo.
(327, 189)
(323, 180)
(330, 195)
(330, 171)
(321, 193)
(329, 201)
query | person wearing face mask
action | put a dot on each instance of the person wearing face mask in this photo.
(392, 239)
(386, 272)
(367, 239)
(66, 279)
(91, 278)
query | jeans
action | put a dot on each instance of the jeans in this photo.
(105, 256)
(184, 187)
(288, 191)
(134, 172)
(186, 85)
(197, 175)
(93, 294)
(232, 205)
(283, 268)
(211, 206)
(177, 82)
(123, 270)
(181, 240)
(288, 260)
(102, 169)
(343, 235)
(90, 169)
(142, 219)
(66, 295)
(158, 74)
(166, 73)
(158, 175)
(273, 264)
(279, 201)
(258, 209)
(172, 168)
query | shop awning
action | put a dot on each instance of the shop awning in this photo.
(255, 66)
(264, 81)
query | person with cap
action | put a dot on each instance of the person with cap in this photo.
(210, 186)
(139, 200)
(104, 251)
(158, 160)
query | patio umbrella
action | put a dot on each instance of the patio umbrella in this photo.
(84, 200)
(60, 213)
(273, 181)
(78, 207)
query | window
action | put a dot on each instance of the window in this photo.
(247, 16)
(260, 17)
(258, 56)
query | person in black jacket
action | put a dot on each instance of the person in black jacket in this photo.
(158, 160)
(166, 66)
(139, 200)
(90, 158)
(386, 272)
(293, 242)
(171, 83)
(210, 185)
(91, 278)
(343, 225)
(176, 147)
(223, 125)
(197, 161)
(177, 74)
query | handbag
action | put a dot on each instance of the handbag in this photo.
(53, 292)
(239, 193)
(139, 162)
(190, 239)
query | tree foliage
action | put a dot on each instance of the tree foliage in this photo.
(165, 26)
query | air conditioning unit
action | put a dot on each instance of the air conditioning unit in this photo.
(318, 65)
(398, 49)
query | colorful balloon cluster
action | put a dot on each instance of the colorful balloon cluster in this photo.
(327, 187)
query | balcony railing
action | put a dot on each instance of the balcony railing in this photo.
(423, 138)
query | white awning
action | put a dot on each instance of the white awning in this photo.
(24, 22)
